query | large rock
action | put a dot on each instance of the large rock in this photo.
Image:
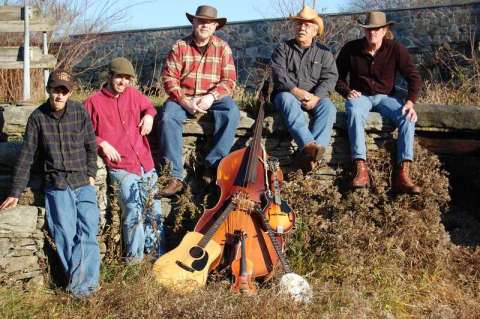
(448, 117)
(15, 119)
(19, 221)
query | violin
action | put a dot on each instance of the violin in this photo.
(242, 269)
(278, 213)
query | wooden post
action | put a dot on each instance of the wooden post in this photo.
(314, 4)
(26, 56)
(46, 72)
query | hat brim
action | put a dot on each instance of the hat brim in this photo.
(374, 26)
(55, 84)
(221, 21)
(314, 20)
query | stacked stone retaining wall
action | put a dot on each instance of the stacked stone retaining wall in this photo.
(22, 230)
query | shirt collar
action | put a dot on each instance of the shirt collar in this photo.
(214, 40)
(385, 43)
(109, 94)
(297, 47)
(49, 111)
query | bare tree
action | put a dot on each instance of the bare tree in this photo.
(85, 17)
(72, 17)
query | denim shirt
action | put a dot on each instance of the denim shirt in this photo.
(312, 69)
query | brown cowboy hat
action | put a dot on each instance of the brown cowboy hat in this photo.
(207, 13)
(309, 15)
(375, 19)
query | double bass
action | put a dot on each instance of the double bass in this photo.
(244, 173)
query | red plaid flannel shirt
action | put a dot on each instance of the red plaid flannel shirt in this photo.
(188, 73)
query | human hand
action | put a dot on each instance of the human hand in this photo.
(91, 180)
(190, 105)
(9, 202)
(311, 103)
(353, 94)
(110, 152)
(146, 124)
(206, 101)
(301, 94)
(409, 112)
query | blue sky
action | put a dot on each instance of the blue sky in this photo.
(166, 13)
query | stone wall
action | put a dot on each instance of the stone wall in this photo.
(422, 30)
(22, 230)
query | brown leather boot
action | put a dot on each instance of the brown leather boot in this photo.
(173, 187)
(361, 179)
(311, 153)
(402, 182)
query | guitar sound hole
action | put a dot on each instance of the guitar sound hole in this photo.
(196, 252)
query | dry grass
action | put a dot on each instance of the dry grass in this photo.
(367, 254)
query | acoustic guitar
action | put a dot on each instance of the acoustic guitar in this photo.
(186, 267)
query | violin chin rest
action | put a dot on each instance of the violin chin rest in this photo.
(296, 287)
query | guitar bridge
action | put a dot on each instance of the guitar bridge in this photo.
(184, 267)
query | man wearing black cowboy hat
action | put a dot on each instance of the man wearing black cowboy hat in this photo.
(304, 73)
(371, 64)
(199, 77)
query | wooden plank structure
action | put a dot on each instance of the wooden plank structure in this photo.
(26, 19)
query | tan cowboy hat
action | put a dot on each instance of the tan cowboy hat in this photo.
(310, 15)
(375, 19)
(207, 13)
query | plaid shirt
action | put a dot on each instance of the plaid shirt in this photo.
(66, 145)
(187, 72)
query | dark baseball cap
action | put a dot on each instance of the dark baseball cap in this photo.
(60, 78)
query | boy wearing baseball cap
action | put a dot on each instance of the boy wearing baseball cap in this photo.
(60, 131)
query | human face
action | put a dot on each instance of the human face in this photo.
(203, 29)
(375, 36)
(305, 32)
(58, 97)
(118, 83)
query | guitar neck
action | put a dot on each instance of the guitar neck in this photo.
(213, 229)
(276, 244)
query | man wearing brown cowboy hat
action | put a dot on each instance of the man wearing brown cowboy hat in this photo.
(304, 74)
(199, 77)
(371, 64)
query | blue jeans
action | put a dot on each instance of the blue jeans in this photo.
(321, 122)
(357, 113)
(141, 214)
(226, 117)
(73, 217)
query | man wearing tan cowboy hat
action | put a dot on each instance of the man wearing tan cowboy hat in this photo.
(304, 73)
(122, 118)
(61, 132)
(199, 77)
(371, 64)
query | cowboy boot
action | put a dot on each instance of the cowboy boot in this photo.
(402, 182)
(361, 179)
(173, 187)
(311, 153)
